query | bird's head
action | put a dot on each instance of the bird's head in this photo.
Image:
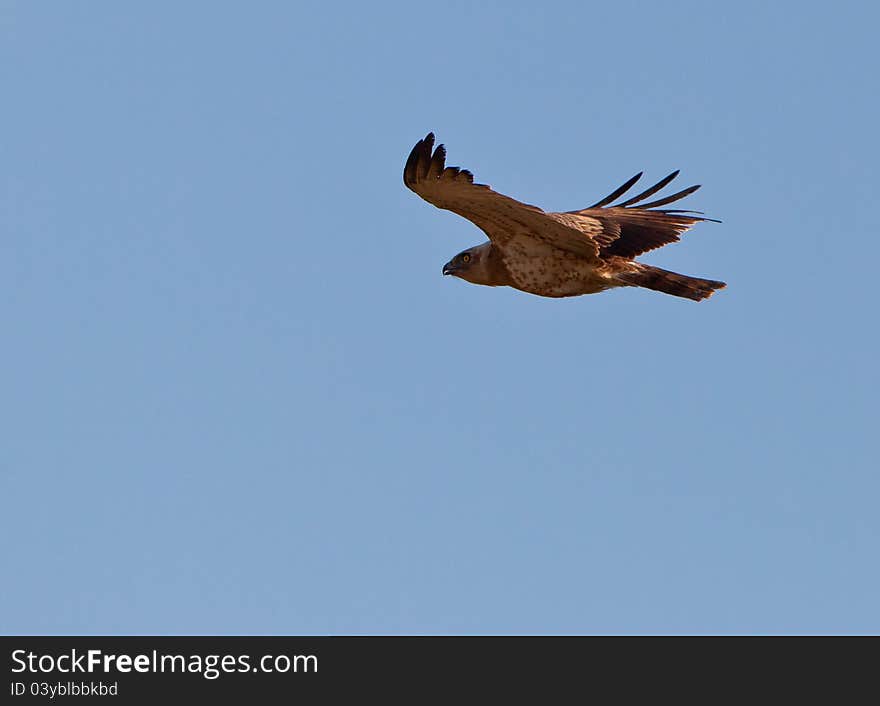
(473, 265)
(461, 264)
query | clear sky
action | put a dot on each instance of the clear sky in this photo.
(239, 397)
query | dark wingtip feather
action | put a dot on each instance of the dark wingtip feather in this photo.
(669, 199)
(424, 163)
(696, 215)
(437, 162)
(651, 191)
(409, 169)
(619, 191)
(419, 160)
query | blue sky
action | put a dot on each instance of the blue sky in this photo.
(239, 397)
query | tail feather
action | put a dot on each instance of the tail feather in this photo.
(670, 282)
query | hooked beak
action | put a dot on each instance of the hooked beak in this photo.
(449, 269)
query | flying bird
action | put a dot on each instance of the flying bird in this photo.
(558, 254)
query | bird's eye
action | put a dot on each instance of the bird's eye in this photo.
(466, 258)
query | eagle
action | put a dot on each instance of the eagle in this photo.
(558, 254)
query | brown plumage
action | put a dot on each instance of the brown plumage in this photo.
(557, 254)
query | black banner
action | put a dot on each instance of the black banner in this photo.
(148, 669)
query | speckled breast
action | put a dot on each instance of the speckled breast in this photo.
(559, 274)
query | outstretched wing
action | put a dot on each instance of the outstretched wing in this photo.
(629, 230)
(500, 217)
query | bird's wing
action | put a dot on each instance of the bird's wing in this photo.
(629, 230)
(500, 217)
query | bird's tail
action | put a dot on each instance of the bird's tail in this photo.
(669, 282)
